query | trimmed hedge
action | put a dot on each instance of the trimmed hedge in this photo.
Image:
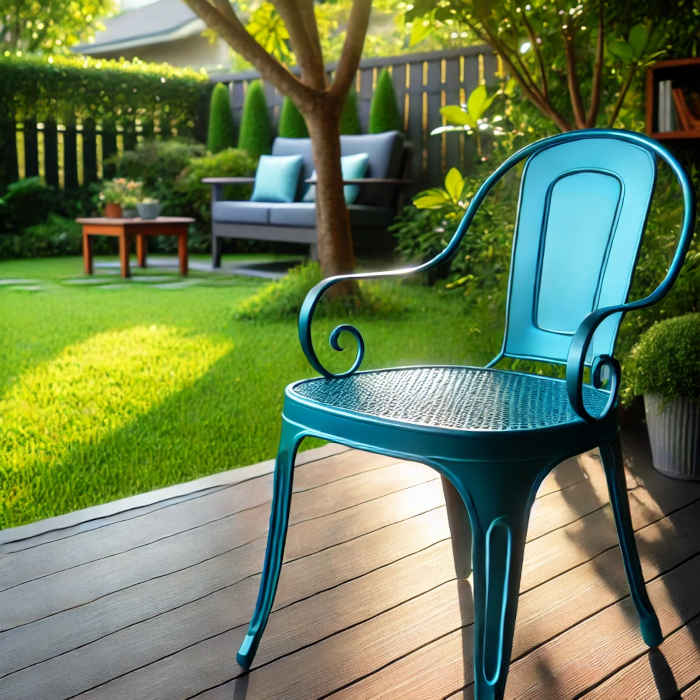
(291, 124)
(66, 88)
(220, 133)
(255, 135)
(384, 114)
(349, 117)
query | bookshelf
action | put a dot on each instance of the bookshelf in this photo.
(673, 99)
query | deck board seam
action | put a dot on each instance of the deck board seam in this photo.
(219, 519)
(636, 658)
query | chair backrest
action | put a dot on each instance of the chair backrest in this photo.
(583, 205)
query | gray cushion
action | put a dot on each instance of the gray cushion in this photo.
(241, 212)
(303, 215)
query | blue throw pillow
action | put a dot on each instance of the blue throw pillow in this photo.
(277, 179)
(352, 167)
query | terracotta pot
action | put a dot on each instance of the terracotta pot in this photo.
(113, 211)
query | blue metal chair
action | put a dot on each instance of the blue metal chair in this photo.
(495, 434)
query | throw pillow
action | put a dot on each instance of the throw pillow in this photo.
(352, 167)
(277, 179)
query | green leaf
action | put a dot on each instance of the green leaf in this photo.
(509, 89)
(639, 36)
(420, 29)
(454, 184)
(457, 115)
(621, 49)
(479, 102)
(431, 199)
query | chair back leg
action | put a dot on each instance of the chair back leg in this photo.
(276, 537)
(611, 455)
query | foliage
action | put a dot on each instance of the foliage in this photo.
(157, 163)
(122, 191)
(666, 359)
(220, 132)
(282, 299)
(576, 65)
(384, 113)
(56, 236)
(195, 197)
(349, 117)
(255, 135)
(66, 88)
(49, 27)
(25, 203)
(291, 124)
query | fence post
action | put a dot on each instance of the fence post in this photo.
(51, 152)
(70, 157)
(31, 148)
(8, 150)
(109, 147)
(89, 151)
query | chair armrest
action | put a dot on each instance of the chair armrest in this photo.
(228, 180)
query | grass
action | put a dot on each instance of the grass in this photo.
(111, 389)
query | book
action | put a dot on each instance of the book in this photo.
(682, 109)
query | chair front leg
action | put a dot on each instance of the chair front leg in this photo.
(613, 465)
(276, 537)
(459, 529)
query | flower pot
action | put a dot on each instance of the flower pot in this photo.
(674, 434)
(113, 211)
(129, 212)
(148, 210)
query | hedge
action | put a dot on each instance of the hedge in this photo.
(66, 88)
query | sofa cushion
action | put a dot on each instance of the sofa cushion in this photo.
(241, 212)
(352, 167)
(384, 152)
(277, 178)
(303, 215)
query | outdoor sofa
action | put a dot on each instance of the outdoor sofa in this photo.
(374, 200)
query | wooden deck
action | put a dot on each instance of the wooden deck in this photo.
(149, 597)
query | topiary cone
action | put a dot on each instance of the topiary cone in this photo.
(221, 127)
(291, 124)
(384, 114)
(255, 135)
(349, 118)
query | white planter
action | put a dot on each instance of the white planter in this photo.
(674, 434)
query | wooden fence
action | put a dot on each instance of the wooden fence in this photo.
(424, 82)
(70, 155)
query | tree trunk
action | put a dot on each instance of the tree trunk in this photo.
(335, 249)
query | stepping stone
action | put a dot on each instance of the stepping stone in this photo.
(87, 280)
(151, 278)
(109, 287)
(16, 280)
(27, 288)
(177, 285)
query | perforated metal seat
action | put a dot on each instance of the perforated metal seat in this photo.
(458, 398)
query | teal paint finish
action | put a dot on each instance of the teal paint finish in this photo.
(492, 434)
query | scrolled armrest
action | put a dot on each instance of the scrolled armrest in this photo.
(576, 361)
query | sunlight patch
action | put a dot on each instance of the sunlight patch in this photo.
(92, 389)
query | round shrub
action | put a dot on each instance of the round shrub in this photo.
(666, 359)
(291, 124)
(384, 114)
(349, 117)
(221, 128)
(255, 135)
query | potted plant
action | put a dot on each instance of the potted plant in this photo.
(664, 367)
(119, 194)
(148, 208)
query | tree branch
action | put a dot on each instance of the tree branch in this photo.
(572, 81)
(538, 55)
(352, 48)
(623, 94)
(597, 71)
(231, 30)
(300, 21)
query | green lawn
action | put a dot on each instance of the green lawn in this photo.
(112, 388)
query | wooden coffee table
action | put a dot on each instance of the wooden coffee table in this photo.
(126, 229)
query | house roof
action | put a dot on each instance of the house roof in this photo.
(159, 22)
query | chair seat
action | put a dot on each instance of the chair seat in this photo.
(456, 398)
